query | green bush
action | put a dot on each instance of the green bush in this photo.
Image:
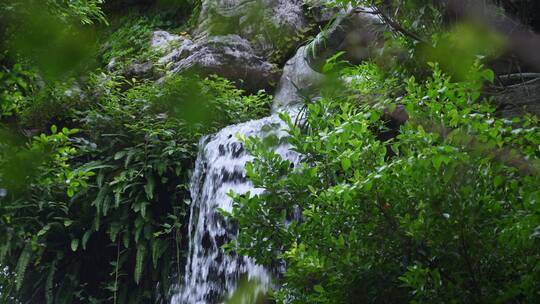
(97, 215)
(16, 83)
(130, 40)
(450, 215)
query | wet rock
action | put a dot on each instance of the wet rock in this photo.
(111, 65)
(230, 56)
(162, 40)
(262, 22)
(145, 69)
(242, 55)
(358, 32)
(298, 82)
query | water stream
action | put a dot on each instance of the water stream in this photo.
(211, 275)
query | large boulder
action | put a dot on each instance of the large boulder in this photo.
(298, 83)
(266, 24)
(235, 39)
(358, 32)
(230, 56)
(163, 41)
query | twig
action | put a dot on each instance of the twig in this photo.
(518, 76)
(393, 24)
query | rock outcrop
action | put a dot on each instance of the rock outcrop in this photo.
(235, 38)
(298, 82)
(264, 23)
(230, 56)
(358, 32)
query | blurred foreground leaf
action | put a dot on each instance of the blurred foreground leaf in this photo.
(248, 292)
(457, 50)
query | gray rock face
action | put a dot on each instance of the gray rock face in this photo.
(262, 22)
(358, 32)
(162, 40)
(230, 56)
(235, 37)
(145, 69)
(298, 82)
(519, 99)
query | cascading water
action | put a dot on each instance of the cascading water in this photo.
(211, 274)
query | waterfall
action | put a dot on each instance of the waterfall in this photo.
(210, 274)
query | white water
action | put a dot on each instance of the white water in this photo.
(210, 274)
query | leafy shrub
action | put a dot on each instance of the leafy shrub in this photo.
(100, 218)
(129, 40)
(33, 105)
(85, 12)
(53, 104)
(38, 180)
(451, 217)
(16, 83)
(209, 102)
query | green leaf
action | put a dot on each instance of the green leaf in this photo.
(125, 239)
(85, 238)
(74, 244)
(158, 247)
(345, 164)
(318, 288)
(437, 160)
(488, 75)
(149, 187)
(44, 230)
(49, 288)
(139, 263)
(119, 155)
(498, 180)
(22, 265)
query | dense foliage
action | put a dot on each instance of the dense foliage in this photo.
(94, 165)
(411, 186)
(100, 216)
(445, 212)
(407, 190)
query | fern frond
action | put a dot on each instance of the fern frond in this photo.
(4, 249)
(22, 265)
(139, 262)
(320, 39)
(49, 283)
